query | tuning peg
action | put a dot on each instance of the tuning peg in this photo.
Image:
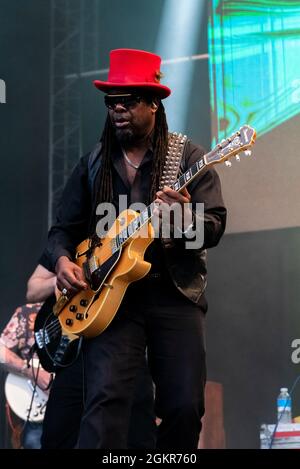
(228, 164)
(248, 153)
(237, 157)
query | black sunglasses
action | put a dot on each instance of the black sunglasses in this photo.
(126, 100)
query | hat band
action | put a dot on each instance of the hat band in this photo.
(115, 78)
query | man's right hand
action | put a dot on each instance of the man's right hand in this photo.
(69, 276)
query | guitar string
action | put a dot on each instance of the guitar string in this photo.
(53, 327)
(53, 332)
(51, 335)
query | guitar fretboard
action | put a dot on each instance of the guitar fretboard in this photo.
(146, 215)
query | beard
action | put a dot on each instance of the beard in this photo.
(125, 136)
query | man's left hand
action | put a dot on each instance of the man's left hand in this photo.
(169, 196)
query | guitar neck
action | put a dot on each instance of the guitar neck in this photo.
(240, 141)
(189, 175)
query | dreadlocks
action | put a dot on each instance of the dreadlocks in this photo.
(104, 186)
(160, 141)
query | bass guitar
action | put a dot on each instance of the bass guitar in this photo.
(54, 347)
(118, 259)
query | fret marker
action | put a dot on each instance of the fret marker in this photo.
(130, 229)
(200, 164)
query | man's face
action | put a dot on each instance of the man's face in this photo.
(132, 115)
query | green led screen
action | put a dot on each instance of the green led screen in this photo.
(254, 66)
(254, 49)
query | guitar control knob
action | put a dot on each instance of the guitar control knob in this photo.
(228, 164)
(35, 414)
(79, 316)
(83, 302)
(69, 322)
(39, 405)
(73, 308)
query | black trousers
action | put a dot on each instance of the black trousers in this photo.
(172, 329)
(66, 405)
(64, 408)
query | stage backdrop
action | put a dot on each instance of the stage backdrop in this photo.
(254, 274)
(251, 52)
(254, 71)
(24, 66)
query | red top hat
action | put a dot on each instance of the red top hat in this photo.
(130, 68)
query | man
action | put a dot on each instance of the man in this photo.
(165, 310)
(16, 342)
(66, 399)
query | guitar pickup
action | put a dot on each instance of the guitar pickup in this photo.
(93, 263)
(90, 266)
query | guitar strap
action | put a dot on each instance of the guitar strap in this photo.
(176, 146)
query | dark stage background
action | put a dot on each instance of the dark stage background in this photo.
(254, 274)
(24, 65)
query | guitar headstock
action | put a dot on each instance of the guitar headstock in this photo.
(239, 142)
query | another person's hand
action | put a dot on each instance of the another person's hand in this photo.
(43, 377)
(43, 380)
(69, 276)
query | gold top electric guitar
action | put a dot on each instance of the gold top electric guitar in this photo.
(118, 260)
